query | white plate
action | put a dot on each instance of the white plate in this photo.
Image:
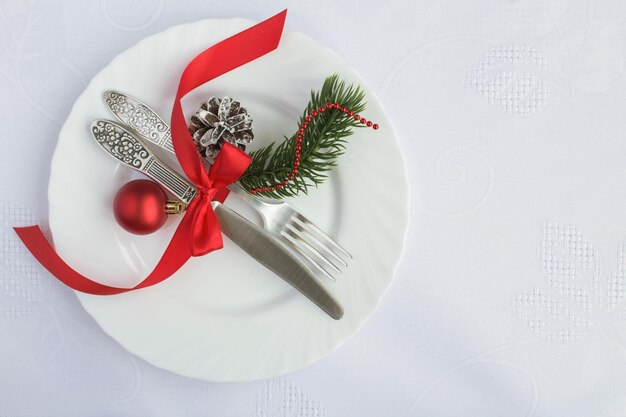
(223, 316)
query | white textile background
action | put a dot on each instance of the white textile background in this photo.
(510, 298)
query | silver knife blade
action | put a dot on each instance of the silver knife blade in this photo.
(275, 256)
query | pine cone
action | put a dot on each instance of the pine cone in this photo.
(219, 121)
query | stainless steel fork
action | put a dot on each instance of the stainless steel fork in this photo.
(314, 246)
(299, 233)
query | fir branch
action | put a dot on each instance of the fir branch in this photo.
(323, 143)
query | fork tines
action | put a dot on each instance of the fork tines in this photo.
(315, 246)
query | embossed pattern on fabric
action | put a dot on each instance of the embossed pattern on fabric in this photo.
(579, 295)
(283, 398)
(513, 77)
(21, 279)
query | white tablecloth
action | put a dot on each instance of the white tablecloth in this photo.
(510, 299)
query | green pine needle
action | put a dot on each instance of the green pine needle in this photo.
(323, 143)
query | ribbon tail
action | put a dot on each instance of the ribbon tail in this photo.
(224, 56)
(173, 258)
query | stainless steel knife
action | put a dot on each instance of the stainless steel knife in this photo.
(260, 245)
(325, 257)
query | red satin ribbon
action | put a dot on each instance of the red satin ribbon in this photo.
(198, 232)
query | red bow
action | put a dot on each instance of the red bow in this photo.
(198, 232)
(200, 222)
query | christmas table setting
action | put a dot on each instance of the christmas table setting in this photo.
(405, 209)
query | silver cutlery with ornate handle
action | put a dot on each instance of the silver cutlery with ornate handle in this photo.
(314, 246)
(259, 244)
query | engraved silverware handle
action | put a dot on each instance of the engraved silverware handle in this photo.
(141, 118)
(144, 121)
(123, 146)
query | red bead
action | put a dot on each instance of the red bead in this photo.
(350, 112)
(304, 125)
(296, 163)
(321, 110)
(307, 119)
(294, 170)
(343, 109)
(363, 121)
(298, 146)
(298, 154)
(263, 189)
(329, 105)
(279, 186)
(291, 177)
(313, 113)
(337, 106)
(284, 183)
(357, 117)
(139, 207)
(369, 124)
(301, 131)
(271, 188)
(375, 126)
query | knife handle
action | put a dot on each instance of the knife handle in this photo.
(123, 146)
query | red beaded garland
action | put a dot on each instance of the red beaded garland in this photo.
(301, 131)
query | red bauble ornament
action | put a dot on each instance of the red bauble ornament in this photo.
(139, 207)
